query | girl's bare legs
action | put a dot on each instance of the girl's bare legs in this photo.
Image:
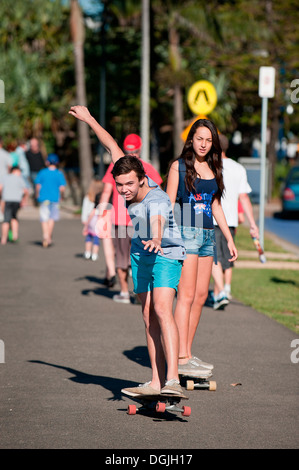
(204, 269)
(192, 293)
(186, 292)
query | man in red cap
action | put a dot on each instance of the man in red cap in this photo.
(132, 144)
(123, 228)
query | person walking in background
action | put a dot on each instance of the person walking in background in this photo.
(5, 166)
(23, 162)
(195, 180)
(90, 201)
(123, 228)
(50, 186)
(236, 193)
(36, 162)
(92, 241)
(14, 195)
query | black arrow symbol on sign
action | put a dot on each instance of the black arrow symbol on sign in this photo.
(198, 93)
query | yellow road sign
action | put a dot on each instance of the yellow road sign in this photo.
(202, 97)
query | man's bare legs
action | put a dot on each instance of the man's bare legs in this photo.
(4, 233)
(161, 334)
(109, 253)
(123, 280)
(153, 339)
(47, 229)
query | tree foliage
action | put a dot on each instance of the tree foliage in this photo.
(36, 66)
(222, 41)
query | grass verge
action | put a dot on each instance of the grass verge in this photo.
(274, 292)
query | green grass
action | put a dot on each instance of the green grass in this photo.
(274, 292)
(270, 291)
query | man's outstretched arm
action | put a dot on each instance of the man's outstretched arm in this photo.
(82, 113)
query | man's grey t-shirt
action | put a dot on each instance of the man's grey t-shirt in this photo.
(156, 202)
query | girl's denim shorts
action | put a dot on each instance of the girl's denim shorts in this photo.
(199, 241)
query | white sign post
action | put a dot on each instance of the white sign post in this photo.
(266, 90)
(2, 92)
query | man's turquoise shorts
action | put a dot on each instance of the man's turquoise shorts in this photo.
(150, 271)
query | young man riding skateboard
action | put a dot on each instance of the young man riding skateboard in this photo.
(157, 254)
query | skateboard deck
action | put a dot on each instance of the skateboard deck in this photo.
(191, 382)
(259, 249)
(159, 403)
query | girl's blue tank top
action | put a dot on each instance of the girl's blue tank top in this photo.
(196, 206)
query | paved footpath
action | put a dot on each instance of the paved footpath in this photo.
(69, 349)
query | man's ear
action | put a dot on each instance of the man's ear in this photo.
(142, 181)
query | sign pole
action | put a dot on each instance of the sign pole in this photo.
(263, 170)
(266, 90)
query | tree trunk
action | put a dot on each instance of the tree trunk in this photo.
(178, 120)
(175, 61)
(85, 155)
(274, 132)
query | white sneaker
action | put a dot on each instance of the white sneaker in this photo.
(142, 389)
(87, 255)
(201, 363)
(220, 302)
(94, 256)
(172, 387)
(194, 369)
(227, 291)
(122, 298)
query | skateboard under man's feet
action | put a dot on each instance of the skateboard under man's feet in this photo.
(159, 403)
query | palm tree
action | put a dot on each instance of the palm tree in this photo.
(198, 22)
(78, 36)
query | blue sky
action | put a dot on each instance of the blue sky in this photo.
(91, 7)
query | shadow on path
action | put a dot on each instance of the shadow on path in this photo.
(109, 383)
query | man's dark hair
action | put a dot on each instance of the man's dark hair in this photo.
(127, 164)
(223, 142)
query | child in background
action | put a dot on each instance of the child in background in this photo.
(88, 205)
(14, 196)
(92, 241)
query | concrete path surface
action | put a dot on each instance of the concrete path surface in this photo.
(68, 349)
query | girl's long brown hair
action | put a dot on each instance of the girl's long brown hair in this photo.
(213, 158)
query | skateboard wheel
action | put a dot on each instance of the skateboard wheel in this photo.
(190, 385)
(212, 386)
(186, 411)
(160, 407)
(131, 410)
